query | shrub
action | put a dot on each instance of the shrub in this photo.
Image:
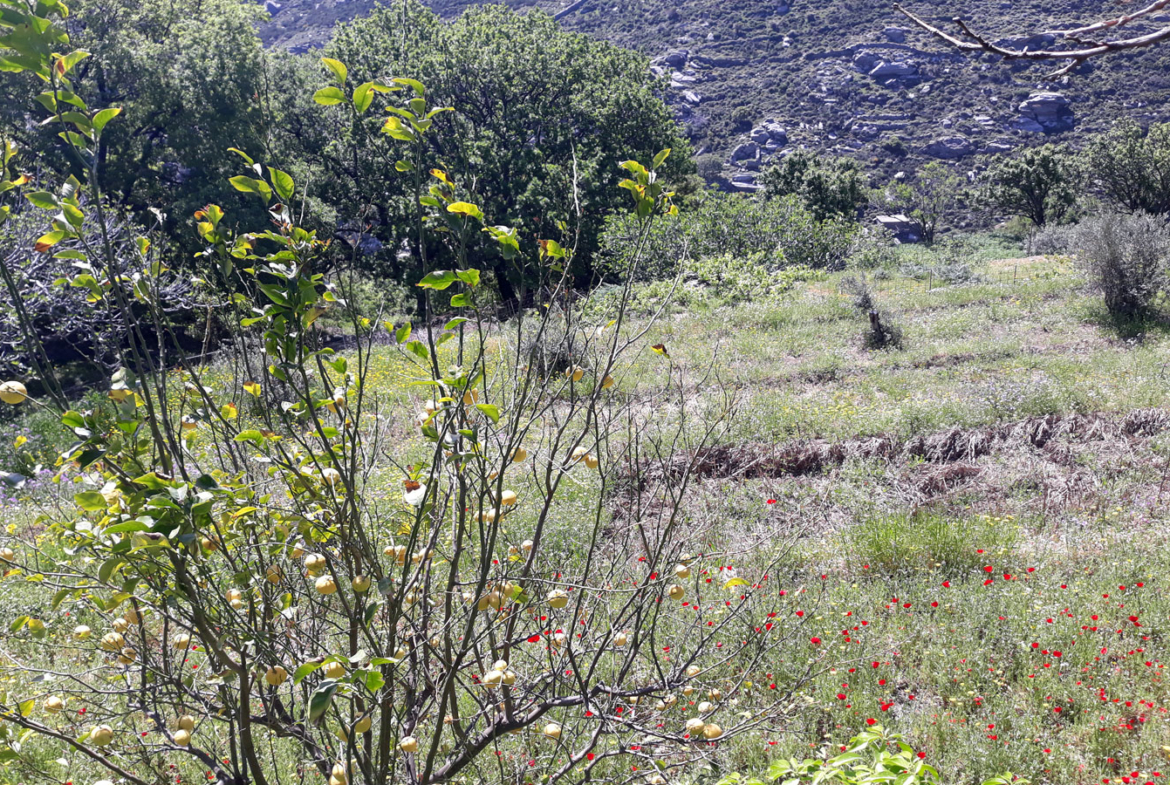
(883, 332)
(873, 757)
(1130, 167)
(1038, 184)
(777, 232)
(829, 188)
(935, 192)
(1052, 241)
(1126, 257)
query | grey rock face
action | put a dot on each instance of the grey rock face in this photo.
(949, 148)
(745, 151)
(895, 35)
(1050, 111)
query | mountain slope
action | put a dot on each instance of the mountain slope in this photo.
(752, 78)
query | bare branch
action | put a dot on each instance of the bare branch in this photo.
(971, 41)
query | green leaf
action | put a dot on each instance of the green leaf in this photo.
(300, 673)
(419, 349)
(91, 501)
(458, 320)
(329, 96)
(320, 699)
(402, 333)
(108, 567)
(438, 280)
(283, 183)
(242, 154)
(461, 300)
(658, 159)
(469, 277)
(43, 200)
(18, 624)
(413, 84)
(26, 707)
(104, 116)
(466, 209)
(490, 410)
(251, 185)
(59, 598)
(340, 72)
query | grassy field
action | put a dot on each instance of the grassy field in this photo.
(973, 526)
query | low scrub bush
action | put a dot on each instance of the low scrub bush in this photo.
(883, 332)
(1126, 258)
(778, 233)
(873, 757)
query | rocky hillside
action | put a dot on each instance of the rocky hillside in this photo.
(752, 78)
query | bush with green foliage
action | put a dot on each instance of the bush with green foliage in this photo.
(1039, 184)
(542, 119)
(1127, 257)
(1129, 167)
(873, 757)
(883, 332)
(935, 192)
(828, 187)
(776, 232)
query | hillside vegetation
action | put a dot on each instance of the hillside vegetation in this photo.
(846, 76)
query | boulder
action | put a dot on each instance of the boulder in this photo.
(949, 148)
(885, 70)
(676, 58)
(901, 227)
(1049, 110)
(864, 61)
(760, 136)
(776, 132)
(743, 152)
(895, 35)
(692, 97)
(997, 147)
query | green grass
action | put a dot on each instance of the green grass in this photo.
(941, 596)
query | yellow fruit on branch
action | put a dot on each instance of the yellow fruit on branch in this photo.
(81, 632)
(182, 737)
(273, 574)
(621, 639)
(326, 585)
(706, 707)
(578, 454)
(558, 598)
(338, 775)
(186, 722)
(519, 455)
(493, 678)
(127, 656)
(676, 592)
(181, 641)
(591, 461)
(607, 382)
(526, 546)
(315, 564)
(682, 571)
(334, 670)
(363, 725)
(693, 671)
(120, 625)
(7, 554)
(551, 731)
(575, 373)
(408, 744)
(101, 735)
(695, 726)
(275, 675)
(507, 498)
(712, 731)
(113, 641)
(360, 584)
(13, 392)
(54, 704)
